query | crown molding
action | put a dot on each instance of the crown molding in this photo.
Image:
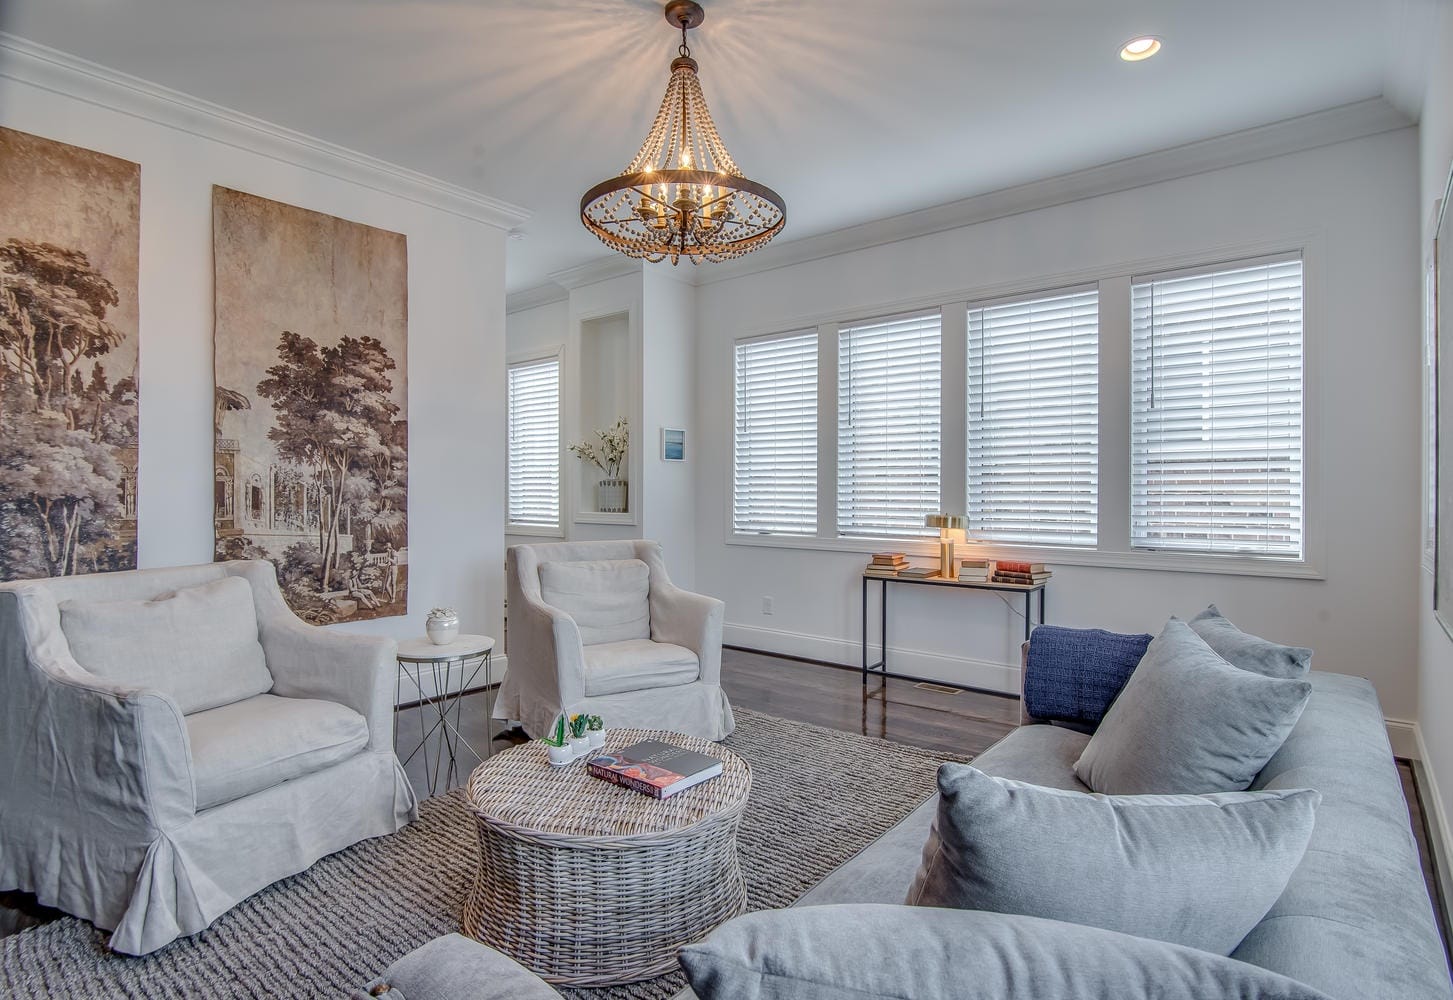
(533, 298)
(49, 69)
(600, 269)
(1293, 135)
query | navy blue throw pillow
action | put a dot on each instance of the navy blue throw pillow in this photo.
(1073, 674)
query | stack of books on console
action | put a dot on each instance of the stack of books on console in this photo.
(976, 570)
(1023, 573)
(919, 573)
(887, 564)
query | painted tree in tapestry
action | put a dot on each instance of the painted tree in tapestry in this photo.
(311, 453)
(70, 230)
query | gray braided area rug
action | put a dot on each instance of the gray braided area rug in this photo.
(818, 797)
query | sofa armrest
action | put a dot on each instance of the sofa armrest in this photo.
(306, 661)
(549, 654)
(691, 620)
(78, 752)
(1071, 675)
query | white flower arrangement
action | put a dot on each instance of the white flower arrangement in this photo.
(608, 451)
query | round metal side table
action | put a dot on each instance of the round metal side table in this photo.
(422, 662)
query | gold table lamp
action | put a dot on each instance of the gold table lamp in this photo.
(946, 524)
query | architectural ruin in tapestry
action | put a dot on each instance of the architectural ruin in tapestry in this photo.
(311, 414)
(70, 232)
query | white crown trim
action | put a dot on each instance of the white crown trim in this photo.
(49, 69)
(1293, 135)
(533, 298)
(599, 269)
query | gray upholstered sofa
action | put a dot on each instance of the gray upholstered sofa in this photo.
(1355, 921)
(174, 740)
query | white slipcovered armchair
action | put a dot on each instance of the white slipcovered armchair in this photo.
(598, 628)
(174, 740)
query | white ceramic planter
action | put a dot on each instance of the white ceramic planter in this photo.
(560, 756)
(442, 631)
(579, 746)
(597, 738)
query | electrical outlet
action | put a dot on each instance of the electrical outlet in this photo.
(766, 605)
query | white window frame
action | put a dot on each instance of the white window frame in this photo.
(557, 354)
(1113, 548)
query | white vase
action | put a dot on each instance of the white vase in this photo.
(561, 755)
(442, 631)
(611, 496)
(579, 746)
(597, 738)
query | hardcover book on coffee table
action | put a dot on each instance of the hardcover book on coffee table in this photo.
(654, 768)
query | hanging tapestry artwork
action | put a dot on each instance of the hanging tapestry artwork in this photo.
(70, 240)
(310, 463)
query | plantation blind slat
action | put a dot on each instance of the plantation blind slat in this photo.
(1217, 410)
(888, 425)
(1034, 419)
(774, 480)
(534, 443)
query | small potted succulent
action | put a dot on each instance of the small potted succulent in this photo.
(595, 729)
(561, 752)
(442, 626)
(579, 741)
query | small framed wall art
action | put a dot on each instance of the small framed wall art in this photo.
(673, 445)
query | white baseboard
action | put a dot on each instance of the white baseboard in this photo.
(1403, 735)
(1436, 819)
(962, 671)
(409, 693)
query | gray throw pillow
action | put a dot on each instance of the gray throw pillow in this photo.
(1189, 869)
(1247, 651)
(454, 967)
(869, 951)
(1188, 722)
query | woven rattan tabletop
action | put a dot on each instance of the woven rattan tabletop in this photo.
(517, 790)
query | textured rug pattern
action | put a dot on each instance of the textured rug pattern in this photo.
(818, 797)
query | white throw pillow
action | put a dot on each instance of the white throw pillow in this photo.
(199, 644)
(608, 598)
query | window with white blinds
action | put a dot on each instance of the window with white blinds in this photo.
(888, 425)
(774, 481)
(1034, 419)
(1216, 410)
(534, 443)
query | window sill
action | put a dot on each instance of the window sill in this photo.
(1163, 562)
(537, 530)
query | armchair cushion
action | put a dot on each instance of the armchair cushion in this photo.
(197, 644)
(636, 664)
(251, 745)
(608, 598)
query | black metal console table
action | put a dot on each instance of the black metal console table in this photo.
(1027, 589)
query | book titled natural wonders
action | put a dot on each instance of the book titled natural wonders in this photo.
(654, 768)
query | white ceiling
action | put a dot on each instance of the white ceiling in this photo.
(852, 109)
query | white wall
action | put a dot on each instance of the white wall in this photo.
(456, 341)
(1348, 202)
(1435, 659)
(651, 381)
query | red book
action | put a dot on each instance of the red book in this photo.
(1014, 566)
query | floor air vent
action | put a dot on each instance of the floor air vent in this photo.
(937, 688)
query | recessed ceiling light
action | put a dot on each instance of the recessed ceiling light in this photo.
(1140, 48)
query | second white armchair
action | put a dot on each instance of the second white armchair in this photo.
(598, 628)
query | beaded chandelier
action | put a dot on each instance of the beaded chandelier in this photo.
(683, 195)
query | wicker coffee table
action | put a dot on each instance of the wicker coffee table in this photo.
(592, 884)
